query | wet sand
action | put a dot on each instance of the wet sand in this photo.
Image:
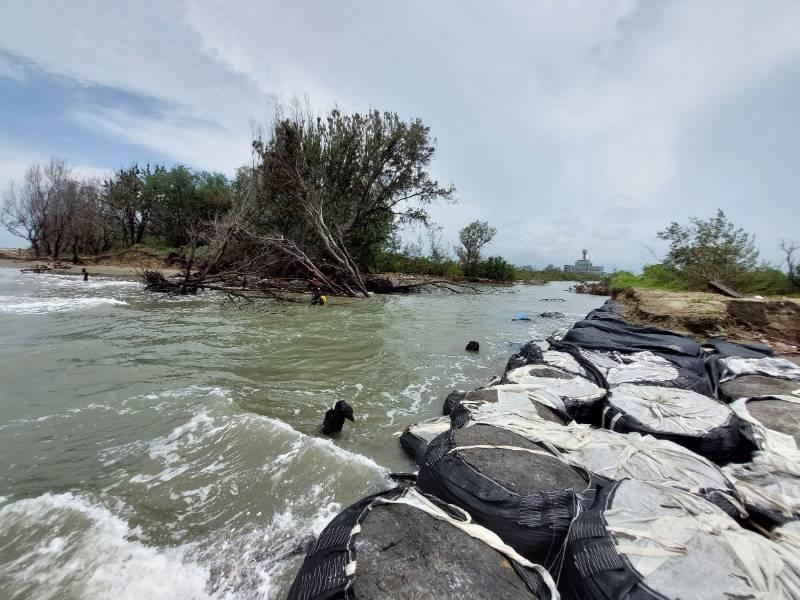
(121, 271)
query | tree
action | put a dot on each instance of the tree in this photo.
(332, 190)
(473, 237)
(709, 250)
(496, 267)
(36, 212)
(792, 268)
(129, 206)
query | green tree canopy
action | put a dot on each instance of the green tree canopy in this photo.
(473, 238)
(712, 249)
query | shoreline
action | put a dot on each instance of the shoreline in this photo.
(119, 271)
(700, 315)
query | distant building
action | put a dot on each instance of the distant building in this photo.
(584, 265)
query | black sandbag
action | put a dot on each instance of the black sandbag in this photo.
(642, 541)
(415, 438)
(516, 488)
(696, 422)
(752, 386)
(726, 348)
(374, 549)
(722, 369)
(495, 397)
(453, 399)
(605, 332)
(530, 353)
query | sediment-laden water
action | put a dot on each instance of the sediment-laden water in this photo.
(168, 448)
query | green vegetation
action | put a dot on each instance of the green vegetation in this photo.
(711, 250)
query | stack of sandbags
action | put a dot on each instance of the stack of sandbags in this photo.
(404, 544)
(616, 456)
(645, 541)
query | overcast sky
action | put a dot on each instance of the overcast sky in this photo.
(566, 124)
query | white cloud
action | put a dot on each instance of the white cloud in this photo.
(556, 120)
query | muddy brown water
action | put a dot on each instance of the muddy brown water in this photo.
(156, 447)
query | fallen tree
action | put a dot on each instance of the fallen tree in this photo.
(322, 196)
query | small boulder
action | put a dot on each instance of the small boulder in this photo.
(473, 346)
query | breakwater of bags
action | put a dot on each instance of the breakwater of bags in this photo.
(620, 461)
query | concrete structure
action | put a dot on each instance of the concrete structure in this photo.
(584, 265)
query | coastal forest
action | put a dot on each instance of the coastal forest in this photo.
(324, 200)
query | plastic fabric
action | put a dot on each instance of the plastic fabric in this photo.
(332, 566)
(644, 541)
(697, 422)
(522, 492)
(616, 456)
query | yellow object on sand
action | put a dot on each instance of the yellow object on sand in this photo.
(323, 299)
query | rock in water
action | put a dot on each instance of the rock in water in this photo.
(335, 416)
(473, 346)
(402, 544)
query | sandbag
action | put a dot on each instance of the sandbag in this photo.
(697, 422)
(415, 438)
(615, 456)
(636, 367)
(555, 387)
(737, 377)
(404, 544)
(770, 423)
(752, 386)
(645, 541)
(769, 485)
(734, 366)
(510, 397)
(516, 488)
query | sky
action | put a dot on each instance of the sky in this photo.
(565, 124)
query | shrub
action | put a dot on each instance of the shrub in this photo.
(496, 267)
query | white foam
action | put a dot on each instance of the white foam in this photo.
(30, 306)
(64, 545)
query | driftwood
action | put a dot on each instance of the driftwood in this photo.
(720, 288)
(599, 288)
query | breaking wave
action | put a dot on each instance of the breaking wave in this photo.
(30, 306)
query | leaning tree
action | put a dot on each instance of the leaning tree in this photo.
(331, 190)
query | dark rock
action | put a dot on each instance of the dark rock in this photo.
(473, 346)
(453, 399)
(552, 315)
(334, 417)
(381, 284)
